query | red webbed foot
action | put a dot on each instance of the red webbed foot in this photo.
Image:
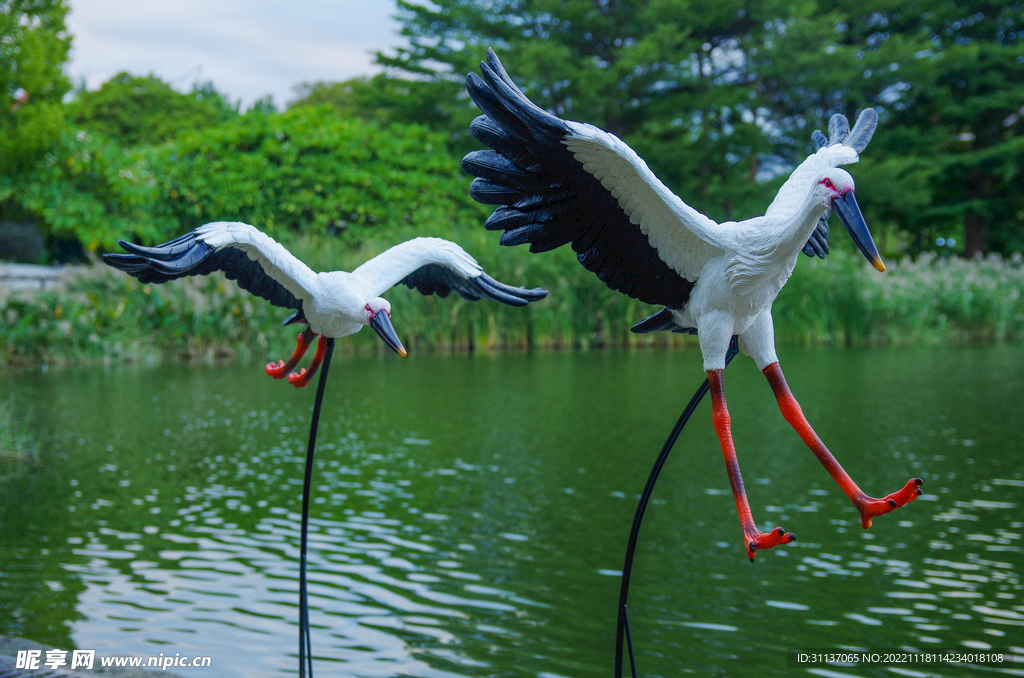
(282, 368)
(278, 370)
(300, 378)
(755, 540)
(870, 508)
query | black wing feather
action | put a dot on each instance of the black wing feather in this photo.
(547, 199)
(817, 244)
(442, 281)
(187, 256)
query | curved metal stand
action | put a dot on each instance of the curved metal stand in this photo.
(305, 647)
(622, 634)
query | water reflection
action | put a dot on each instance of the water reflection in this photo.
(469, 515)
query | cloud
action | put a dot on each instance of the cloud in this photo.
(248, 49)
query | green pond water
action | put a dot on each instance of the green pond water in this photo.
(470, 514)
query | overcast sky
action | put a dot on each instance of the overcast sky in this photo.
(248, 48)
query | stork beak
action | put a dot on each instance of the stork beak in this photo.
(849, 213)
(381, 324)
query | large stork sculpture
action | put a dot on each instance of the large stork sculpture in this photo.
(558, 182)
(334, 304)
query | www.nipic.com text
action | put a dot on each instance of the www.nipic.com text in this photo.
(86, 659)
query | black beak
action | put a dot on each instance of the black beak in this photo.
(381, 324)
(849, 213)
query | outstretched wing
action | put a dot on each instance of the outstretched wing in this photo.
(436, 279)
(558, 182)
(436, 266)
(253, 259)
(843, 146)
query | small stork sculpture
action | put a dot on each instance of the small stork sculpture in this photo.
(334, 304)
(558, 182)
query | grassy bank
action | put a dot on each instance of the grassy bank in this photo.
(101, 315)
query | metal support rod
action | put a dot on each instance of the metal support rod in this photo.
(622, 634)
(305, 646)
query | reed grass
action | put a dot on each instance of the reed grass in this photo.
(929, 299)
(101, 315)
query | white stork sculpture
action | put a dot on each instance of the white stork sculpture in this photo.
(334, 304)
(558, 182)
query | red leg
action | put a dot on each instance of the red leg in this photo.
(753, 539)
(282, 368)
(869, 507)
(302, 377)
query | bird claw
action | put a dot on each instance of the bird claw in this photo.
(277, 371)
(871, 508)
(281, 369)
(300, 378)
(757, 540)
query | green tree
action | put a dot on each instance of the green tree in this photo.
(91, 190)
(668, 76)
(33, 48)
(948, 80)
(310, 170)
(720, 97)
(382, 99)
(970, 107)
(135, 110)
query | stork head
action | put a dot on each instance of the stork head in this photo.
(378, 316)
(835, 187)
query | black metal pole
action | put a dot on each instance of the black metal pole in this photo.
(305, 647)
(622, 625)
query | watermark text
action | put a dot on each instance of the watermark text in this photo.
(35, 660)
(809, 657)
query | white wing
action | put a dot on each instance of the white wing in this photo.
(684, 238)
(278, 263)
(385, 270)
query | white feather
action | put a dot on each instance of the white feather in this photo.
(691, 235)
(801, 181)
(278, 262)
(385, 270)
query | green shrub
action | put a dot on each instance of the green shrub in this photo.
(309, 170)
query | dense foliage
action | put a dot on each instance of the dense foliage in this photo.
(719, 97)
(91, 190)
(304, 170)
(134, 110)
(311, 170)
(33, 48)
